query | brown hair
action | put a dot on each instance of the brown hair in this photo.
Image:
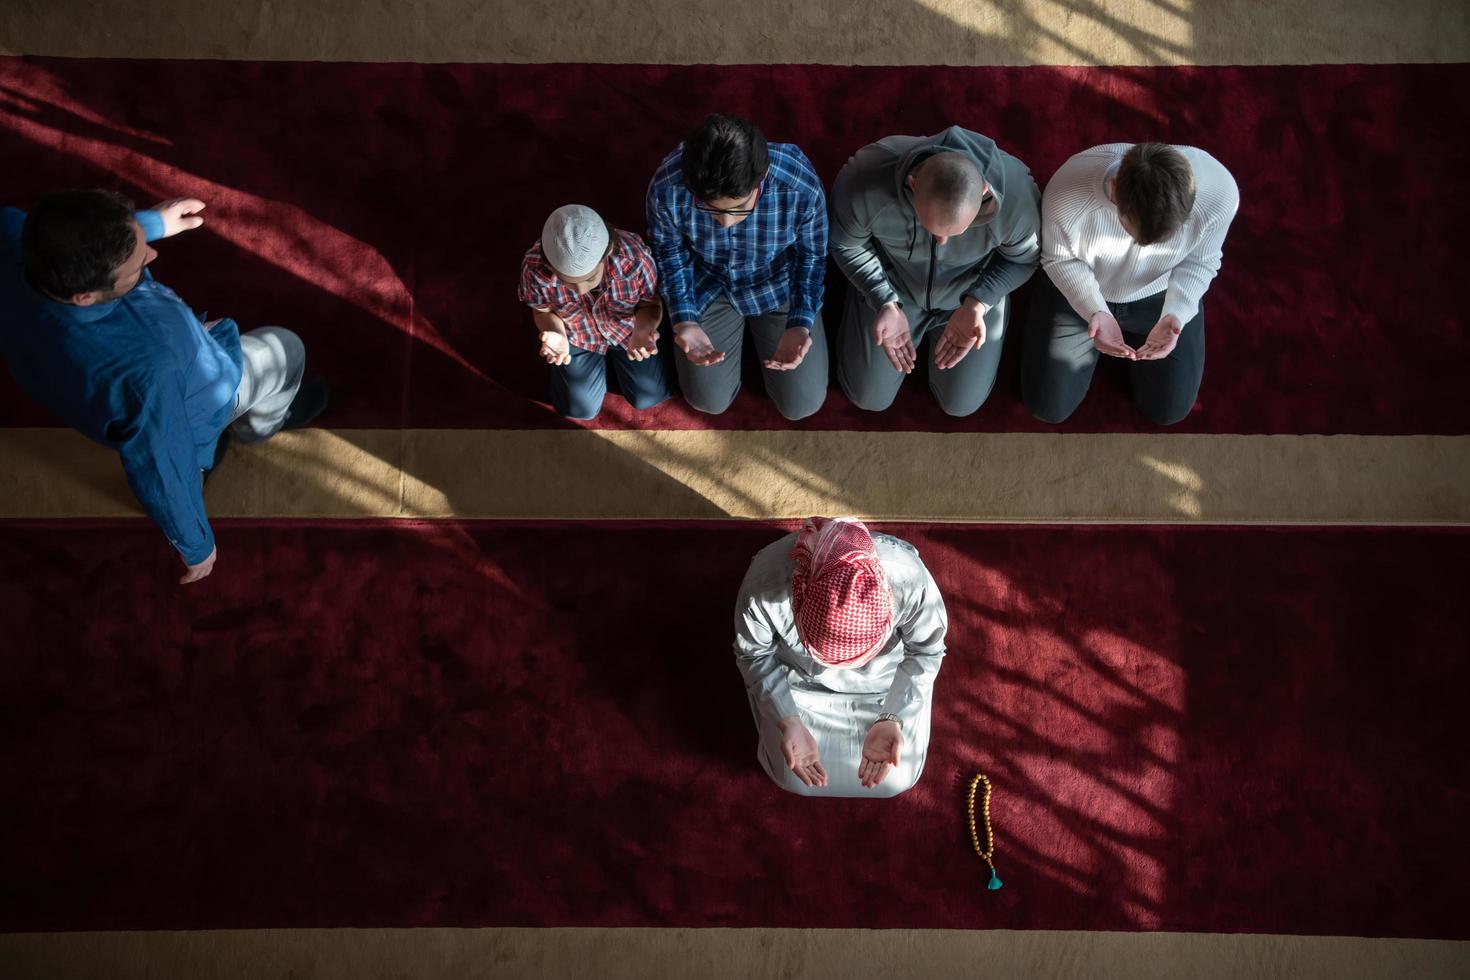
(1154, 190)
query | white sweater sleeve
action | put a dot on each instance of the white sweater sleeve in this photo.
(1064, 207)
(1073, 277)
(1220, 199)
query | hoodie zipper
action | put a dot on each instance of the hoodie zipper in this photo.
(929, 289)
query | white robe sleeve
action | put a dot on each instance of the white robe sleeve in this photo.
(922, 623)
(755, 652)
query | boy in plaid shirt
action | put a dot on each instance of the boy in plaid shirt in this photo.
(593, 293)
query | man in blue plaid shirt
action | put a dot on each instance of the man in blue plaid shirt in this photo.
(739, 231)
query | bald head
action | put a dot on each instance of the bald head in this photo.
(948, 191)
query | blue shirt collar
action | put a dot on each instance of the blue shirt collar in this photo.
(80, 314)
(84, 314)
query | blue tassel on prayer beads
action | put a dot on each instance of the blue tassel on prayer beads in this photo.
(994, 881)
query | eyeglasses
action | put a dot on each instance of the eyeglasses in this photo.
(733, 212)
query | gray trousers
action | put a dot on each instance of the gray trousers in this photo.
(711, 389)
(1059, 358)
(274, 360)
(870, 380)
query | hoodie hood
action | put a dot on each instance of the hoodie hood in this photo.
(886, 253)
(981, 149)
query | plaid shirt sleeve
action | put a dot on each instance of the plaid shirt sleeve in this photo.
(645, 273)
(675, 262)
(530, 291)
(810, 272)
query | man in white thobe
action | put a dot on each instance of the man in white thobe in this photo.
(839, 634)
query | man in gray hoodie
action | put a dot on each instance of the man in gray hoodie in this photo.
(934, 233)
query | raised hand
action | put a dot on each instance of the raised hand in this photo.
(555, 348)
(1161, 339)
(642, 343)
(1107, 336)
(880, 752)
(194, 573)
(696, 345)
(964, 332)
(799, 748)
(891, 332)
(795, 342)
(179, 214)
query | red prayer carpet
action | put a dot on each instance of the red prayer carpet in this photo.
(474, 724)
(382, 210)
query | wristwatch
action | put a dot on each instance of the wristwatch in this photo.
(890, 716)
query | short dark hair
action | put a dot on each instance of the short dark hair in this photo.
(724, 157)
(953, 181)
(1154, 190)
(73, 241)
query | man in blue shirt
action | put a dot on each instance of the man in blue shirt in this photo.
(87, 331)
(739, 231)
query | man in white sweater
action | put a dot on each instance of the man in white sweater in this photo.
(1131, 237)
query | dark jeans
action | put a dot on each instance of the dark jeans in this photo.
(577, 389)
(1058, 358)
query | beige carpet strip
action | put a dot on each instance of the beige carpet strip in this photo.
(636, 954)
(855, 32)
(674, 475)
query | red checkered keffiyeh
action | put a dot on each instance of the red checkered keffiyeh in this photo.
(839, 592)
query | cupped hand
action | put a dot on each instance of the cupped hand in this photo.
(180, 214)
(891, 332)
(1107, 336)
(194, 573)
(555, 348)
(880, 752)
(696, 345)
(795, 342)
(642, 343)
(799, 748)
(963, 333)
(1161, 339)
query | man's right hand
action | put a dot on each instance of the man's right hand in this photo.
(201, 570)
(556, 350)
(179, 214)
(799, 747)
(696, 345)
(1107, 336)
(891, 332)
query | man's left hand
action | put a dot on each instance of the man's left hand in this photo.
(795, 342)
(193, 573)
(880, 752)
(1161, 339)
(642, 343)
(180, 214)
(964, 332)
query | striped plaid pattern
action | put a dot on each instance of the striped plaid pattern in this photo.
(773, 260)
(604, 317)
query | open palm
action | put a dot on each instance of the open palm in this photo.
(880, 753)
(799, 747)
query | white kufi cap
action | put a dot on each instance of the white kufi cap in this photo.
(574, 240)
